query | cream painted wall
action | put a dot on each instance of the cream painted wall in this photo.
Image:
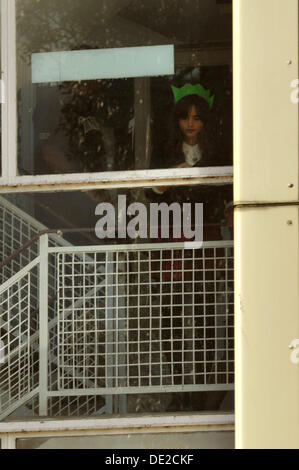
(266, 236)
(266, 121)
(267, 382)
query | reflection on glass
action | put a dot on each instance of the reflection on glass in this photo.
(116, 124)
(96, 64)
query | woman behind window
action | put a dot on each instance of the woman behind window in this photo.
(188, 146)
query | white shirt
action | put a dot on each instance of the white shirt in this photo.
(192, 156)
(192, 153)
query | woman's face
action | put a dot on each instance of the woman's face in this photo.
(191, 126)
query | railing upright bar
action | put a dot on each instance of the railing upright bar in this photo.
(110, 326)
(122, 315)
(43, 326)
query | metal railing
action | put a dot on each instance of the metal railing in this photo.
(81, 325)
(19, 246)
(128, 319)
(163, 320)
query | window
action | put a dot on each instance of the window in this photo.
(93, 96)
(133, 324)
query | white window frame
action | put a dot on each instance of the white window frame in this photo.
(162, 425)
(10, 181)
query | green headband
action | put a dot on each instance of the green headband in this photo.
(189, 89)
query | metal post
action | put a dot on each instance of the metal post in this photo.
(43, 326)
(9, 106)
(121, 315)
(110, 329)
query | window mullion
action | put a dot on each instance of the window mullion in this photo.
(9, 107)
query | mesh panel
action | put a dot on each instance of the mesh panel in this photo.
(161, 319)
(19, 364)
(121, 321)
(17, 229)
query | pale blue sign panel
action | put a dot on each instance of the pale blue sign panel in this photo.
(125, 62)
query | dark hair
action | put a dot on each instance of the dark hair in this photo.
(181, 111)
(182, 108)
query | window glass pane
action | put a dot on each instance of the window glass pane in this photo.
(133, 327)
(2, 95)
(95, 77)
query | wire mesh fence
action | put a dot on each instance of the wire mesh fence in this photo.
(121, 320)
(20, 361)
(162, 319)
(18, 228)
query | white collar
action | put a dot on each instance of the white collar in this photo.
(192, 153)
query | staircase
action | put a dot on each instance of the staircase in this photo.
(19, 327)
(86, 328)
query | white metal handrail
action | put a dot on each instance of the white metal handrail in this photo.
(17, 382)
(119, 313)
(18, 228)
(128, 319)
